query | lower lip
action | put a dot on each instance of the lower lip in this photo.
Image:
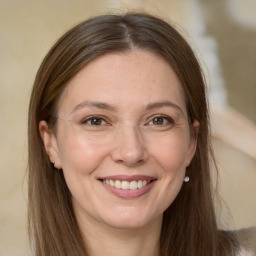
(128, 193)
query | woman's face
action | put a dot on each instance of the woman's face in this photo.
(122, 139)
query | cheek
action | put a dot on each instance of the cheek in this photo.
(171, 153)
(80, 154)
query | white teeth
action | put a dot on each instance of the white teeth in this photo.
(118, 184)
(135, 184)
(125, 185)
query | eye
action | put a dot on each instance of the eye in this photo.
(94, 120)
(161, 121)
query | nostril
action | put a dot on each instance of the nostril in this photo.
(130, 163)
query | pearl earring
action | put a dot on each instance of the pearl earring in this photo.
(186, 179)
(53, 163)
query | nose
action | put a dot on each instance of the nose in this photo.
(129, 148)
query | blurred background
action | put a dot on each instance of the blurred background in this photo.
(223, 35)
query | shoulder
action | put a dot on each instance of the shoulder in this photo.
(246, 252)
(247, 240)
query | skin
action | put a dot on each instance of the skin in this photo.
(141, 129)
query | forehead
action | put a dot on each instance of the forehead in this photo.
(132, 78)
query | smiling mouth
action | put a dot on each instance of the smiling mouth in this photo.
(127, 185)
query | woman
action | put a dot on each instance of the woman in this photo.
(119, 145)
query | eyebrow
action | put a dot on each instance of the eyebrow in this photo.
(93, 104)
(164, 104)
(106, 106)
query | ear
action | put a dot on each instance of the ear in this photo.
(50, 144)
(193, 141)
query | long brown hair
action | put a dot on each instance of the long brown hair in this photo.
(189, 224)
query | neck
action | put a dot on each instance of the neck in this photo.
(103, 239)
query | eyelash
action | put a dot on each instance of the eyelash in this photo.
(166, 120)
(90, 119)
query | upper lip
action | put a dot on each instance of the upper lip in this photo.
(127, 177)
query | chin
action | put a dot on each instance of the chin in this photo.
(129, 221)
